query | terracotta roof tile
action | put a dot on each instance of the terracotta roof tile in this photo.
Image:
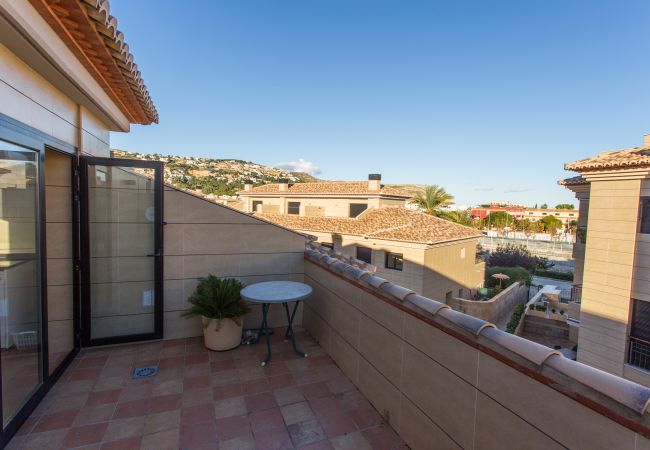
(390, 223)
(328, 187)
(573, 181)
(629, 157)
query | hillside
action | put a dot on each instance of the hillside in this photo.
(214, 176)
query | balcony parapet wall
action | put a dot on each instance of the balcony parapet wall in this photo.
(444, 376)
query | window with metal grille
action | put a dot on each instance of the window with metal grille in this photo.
(256, 205)
(357, 208)
(293, 208)
(639, 349)
(364, 254)
(394, 261)
(645, 216)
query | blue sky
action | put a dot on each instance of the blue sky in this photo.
(488, 99)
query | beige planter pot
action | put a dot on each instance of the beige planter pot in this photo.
(227, 337)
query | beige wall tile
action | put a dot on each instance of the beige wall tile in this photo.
(449, 401)
(59, 302)
(446, 350)
(419, 432)
(345, 356)
(384, 396)
(382, 349)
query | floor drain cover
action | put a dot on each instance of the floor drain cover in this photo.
(144, 372)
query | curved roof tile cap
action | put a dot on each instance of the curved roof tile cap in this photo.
(630, 394)
(530, 350)
(470, 323)
(425, 303)
(396, 290)
(91, 33)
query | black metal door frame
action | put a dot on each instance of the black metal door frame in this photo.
(18, 133)
(85, 162)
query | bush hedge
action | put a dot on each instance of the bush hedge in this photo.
(515, 318)
(566, 276)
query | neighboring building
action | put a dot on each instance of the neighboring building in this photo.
(421, 252)
(322, 199)
(612, 279)
(566, 216)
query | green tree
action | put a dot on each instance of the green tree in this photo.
(433, 198)
(551, 224)
(499, 220)
(565, 206)
(544, 206)
(461, 217)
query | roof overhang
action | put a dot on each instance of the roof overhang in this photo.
(76, 46)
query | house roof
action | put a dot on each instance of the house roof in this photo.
(390, 223)
(90, 32)
(615, 159)
(329, 188)
(573, 181)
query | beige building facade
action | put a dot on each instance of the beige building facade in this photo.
(611, 280)
(426, 254)
(321, 199)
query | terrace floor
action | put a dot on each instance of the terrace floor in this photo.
(205, 400)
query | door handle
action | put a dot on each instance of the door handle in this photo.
(155, 255)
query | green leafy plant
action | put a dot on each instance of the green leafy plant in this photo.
(217, 298)
(515, 318)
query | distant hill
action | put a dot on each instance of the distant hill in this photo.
(215, 176)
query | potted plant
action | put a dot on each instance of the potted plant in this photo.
(218, 302)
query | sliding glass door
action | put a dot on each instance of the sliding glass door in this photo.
(20, 278)
(122, 222)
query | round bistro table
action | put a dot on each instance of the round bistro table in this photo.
(271, 292)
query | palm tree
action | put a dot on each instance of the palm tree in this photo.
(432, 199)
(460, 217)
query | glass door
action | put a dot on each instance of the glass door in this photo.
(21, 362)
(121, 217)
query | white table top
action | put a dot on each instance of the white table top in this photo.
(276, 292)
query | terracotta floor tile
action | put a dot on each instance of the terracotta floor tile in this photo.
(383, 437)
(197, 435)
(234, 406)
(326, 406)
(196, 370)
(91, 373)
(365, 417)
(298, 412)
(92, 361)
(170, 362)
(197, 358)
(351, 441)
(337, 424)
(55, 421)
(85, 435)
(167, 387)
(276, 368)
(266, 420)
(256, 386)
(94, 414)
(197, 396)
(304, 433)
(124, 428)
(230, 390)
(167, 420)
(315, 390)
(221, 366)
(132, 443)
(246, 442)
(232, 427)
(165, 403)
(163, 440)
(281, 381)
(260, 402)
(194, 415)
(322, 445)
(46, 440)
(101, 397)
(288, 395)
(277, 439)
(191, 383)
(132, 409)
